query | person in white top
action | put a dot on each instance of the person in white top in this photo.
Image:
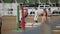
(35, 16)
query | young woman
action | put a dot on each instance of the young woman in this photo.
(44, 20)
(46, 27)
(44, 16)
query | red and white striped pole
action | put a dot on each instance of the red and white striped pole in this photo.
(23, 18)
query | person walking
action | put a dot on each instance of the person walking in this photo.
(35, 16)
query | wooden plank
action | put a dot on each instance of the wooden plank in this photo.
(31, 18)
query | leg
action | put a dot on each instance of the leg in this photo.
(36, 21)
(33, 24)
(44, 24)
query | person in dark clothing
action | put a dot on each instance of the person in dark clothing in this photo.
(0, 22)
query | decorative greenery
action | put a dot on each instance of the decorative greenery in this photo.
(7, 1)
(31, 1)
(43, 1)
(53, 1)
(20, 1)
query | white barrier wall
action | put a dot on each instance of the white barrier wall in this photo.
(5, 9)
(55, 9)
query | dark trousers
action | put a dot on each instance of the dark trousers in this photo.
(0, 24)
(0, 30)
(0, 27)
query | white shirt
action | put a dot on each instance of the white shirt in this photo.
(36, 15)
(49, 13)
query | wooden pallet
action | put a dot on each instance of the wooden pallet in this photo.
(56, 30)
(8, 23)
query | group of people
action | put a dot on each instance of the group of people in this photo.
(44, 14)
(44, 22)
